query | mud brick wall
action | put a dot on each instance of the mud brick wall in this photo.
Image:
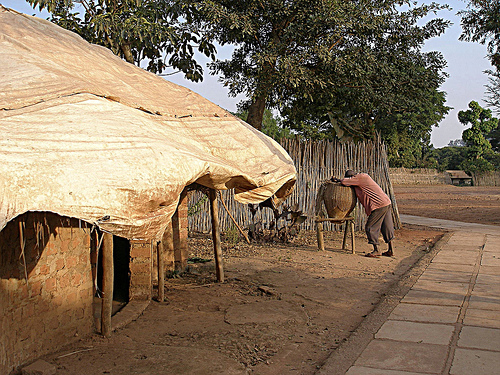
(175, 241)
(416, 176)
(53, 307)
(141, 270)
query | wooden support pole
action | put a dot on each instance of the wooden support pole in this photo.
(161, 271)
(346, 228)
(351, 222)
(349, 226)
(319, 235)
(214, 211)
(107, 283)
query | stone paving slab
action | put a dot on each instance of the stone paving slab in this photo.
(468, 239)
(404, 356)
(482, 318)
(490, 259)
(486, 290)
(441, 286)
(489, 270)
(483, 278)
(426, 333)
(492, 244)
(455, 258)
(484, 303)
(475, 362)
(358, 370)
(480, 338)
(426, 297)
(450, 276)
(469, 268)
(425, 313)
(465, 249)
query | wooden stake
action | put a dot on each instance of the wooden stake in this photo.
(346, 227)
(214, 210)
(319, 236)
(233, 219)
(107, 283)
(351, 224)
(161, 272)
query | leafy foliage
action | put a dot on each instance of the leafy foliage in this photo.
(482, 122)
(156, 31)
(271, 126)
(449, 157)
(478, 147)
(334, 69)
(481, 23)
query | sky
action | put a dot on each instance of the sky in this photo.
(466, 65)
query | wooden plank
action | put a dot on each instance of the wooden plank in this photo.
(107, 283)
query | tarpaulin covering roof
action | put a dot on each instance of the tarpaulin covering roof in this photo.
(87, 135)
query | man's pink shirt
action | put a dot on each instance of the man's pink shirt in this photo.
(369, 193)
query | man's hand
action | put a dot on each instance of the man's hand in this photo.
(335, 179)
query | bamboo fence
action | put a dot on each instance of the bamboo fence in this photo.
(315, 162)
(491, 178)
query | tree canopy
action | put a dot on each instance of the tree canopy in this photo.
(481, 23)
(482, 123)
(155, 31)
(345, 69)
(479, 149)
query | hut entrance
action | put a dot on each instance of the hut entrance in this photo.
(121, 267)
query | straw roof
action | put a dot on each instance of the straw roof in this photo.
(85, 134)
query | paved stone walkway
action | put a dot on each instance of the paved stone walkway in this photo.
(449, 322)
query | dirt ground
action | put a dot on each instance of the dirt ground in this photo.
(283, 308)
(471, 204)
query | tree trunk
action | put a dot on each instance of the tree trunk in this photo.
(127, 53)
(256, 112)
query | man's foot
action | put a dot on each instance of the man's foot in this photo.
(373, 254)
(388, 253)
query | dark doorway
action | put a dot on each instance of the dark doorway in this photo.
(121, 261)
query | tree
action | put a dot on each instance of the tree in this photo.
(494, 138)
(289, 52)
(481, 23)
(456, 143)
(156, 31)
(271, 125)
(449, 157)
(482, 123)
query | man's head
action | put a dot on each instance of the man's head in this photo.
(349, 173)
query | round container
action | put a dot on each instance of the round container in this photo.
(339, 200)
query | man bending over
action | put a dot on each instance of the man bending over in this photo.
(377, 206)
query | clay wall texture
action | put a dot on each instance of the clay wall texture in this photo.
(53, 307)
